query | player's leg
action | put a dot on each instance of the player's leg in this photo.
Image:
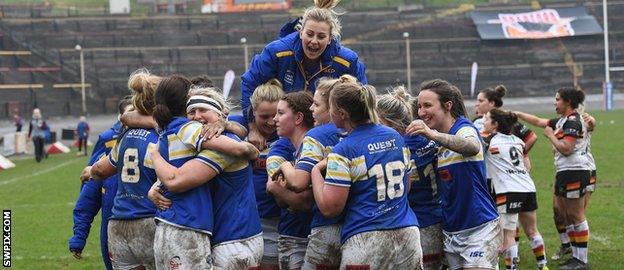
(432, 243)
(323, 251)
(528, 219)
(509, 223)
(291, 251)
(269, 235)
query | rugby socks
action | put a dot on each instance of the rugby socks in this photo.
(537, 245)
(571, 239)
(581, 237)
(563, 235)
(512, 252)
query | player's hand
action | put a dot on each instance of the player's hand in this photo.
(418, 127)
(278, 175)
(548, 132)
(77, 254)
(255, 138)
(155, 195)
(85, 175)
(213, 130)
(271, 185)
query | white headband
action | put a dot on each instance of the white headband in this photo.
(205, 102)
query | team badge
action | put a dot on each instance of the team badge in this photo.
(175, 263)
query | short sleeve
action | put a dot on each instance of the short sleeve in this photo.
(113, 156)
(311, 154)
(573, 128)
(338, 170)
(215, 160)
(190, 135)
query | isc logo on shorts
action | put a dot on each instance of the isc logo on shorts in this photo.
(476, 254)
(515, 205)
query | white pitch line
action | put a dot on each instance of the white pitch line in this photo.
(40, 172)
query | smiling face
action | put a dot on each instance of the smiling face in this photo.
(320, 109)
(431, 111)
(285, 119)
(483, 105)
(315, 36)
(263, 116)
(203, 115)
(489, 126)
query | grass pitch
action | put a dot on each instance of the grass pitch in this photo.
(41, 197)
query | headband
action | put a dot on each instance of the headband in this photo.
(205, 102)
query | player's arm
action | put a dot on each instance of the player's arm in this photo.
(136, 120)
(590, 121)
(532, 119)
(102, 169)
(565, 145)
(215, 129)
(231, 147)
(86, 208)
(296, 180)
(330, 199)
(285, 198)
(192, 174)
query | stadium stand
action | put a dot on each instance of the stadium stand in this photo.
(444, 43)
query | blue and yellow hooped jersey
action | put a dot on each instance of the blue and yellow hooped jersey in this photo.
(234, 203)
(423, 195)
(178, 143)
(267, 207)
(462, 186)
(375, 169)
(292, 224)
(135, 173)
(317, 144)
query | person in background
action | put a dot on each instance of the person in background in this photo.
(82, 130)
(18, 121)
(36, 132)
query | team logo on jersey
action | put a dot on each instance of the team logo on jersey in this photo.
(330, 70)
(377, 147)
(175, 263)
(289, 77)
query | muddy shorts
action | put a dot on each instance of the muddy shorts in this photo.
(389, 249)
(291, 251)
(269, 235)
(323, 248)
(475, 247)
(179, 248)
(432, 243)
(238, 255)
(130, 243)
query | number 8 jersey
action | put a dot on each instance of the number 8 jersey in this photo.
(505, 165)
(136, 174)
(373, 162)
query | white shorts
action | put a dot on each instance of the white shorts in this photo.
(291, 251)
(269, 234)
(239, 254)
(179, 248)
(432, 243)
(390, 249)
(323, 248)
(131, 242)
(509, 221)
(475, 247)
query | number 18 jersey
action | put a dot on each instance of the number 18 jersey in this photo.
(375, 169)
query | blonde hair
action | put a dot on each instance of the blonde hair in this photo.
(325, 84)
(143, 85)
(212, 93)
(270, 92)
(359, 101)
(322, 11)
(395, 106)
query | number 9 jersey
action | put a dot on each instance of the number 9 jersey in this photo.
(136, 174)
(505, 165)
(375, 168)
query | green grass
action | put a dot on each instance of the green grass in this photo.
(41, 197)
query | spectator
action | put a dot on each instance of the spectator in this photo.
(36, 132)
(83, 133)
(19, 122)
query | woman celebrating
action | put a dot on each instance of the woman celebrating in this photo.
(470, 222)
(366, 180)
(568, 135)
(515, 190)
(395, 111)
(299, 59)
